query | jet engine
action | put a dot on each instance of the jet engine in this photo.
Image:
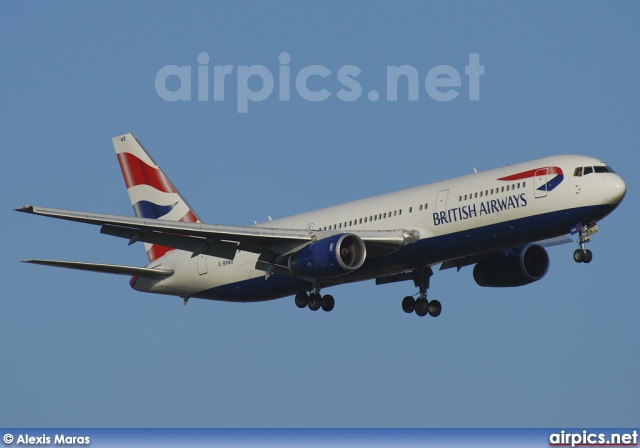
(512, 267)
(329, 257)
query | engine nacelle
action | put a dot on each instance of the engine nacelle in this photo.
(513, 267)
(329, 257)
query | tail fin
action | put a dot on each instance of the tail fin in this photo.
(151, 192)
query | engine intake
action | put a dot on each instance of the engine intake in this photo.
(329, 257)
(513, 267)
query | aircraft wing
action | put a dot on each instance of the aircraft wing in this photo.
(218, 240)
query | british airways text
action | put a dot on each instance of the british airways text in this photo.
(484, 208)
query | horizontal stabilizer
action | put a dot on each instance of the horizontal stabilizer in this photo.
(106, 268)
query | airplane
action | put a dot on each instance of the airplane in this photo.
(499, 220)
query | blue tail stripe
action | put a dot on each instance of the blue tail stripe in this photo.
(146, 209)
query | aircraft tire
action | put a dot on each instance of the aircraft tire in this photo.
(578, 256)
(408, 304)
(422, 307)
(588, 256)
(302, 299)
(315, 301)
(435, 308)
(328, 303)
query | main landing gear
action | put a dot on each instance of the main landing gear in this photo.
(422, 306)
(314, 300)
(583, 255)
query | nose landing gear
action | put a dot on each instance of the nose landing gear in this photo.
(583, 255)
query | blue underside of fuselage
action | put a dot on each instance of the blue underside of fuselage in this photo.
(427, 251)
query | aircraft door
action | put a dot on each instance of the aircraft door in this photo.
(202, 264)
(441, 201)
(540, 183)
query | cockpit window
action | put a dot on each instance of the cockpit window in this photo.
(584, 170)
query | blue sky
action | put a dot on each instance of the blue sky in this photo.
(83, 349)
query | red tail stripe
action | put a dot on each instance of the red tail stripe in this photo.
(136, 172)
(189, 217)
(156, 251)
(531, 173)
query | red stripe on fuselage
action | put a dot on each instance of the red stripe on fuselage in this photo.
(531, 173)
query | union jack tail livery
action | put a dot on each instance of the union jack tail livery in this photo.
(152, 194)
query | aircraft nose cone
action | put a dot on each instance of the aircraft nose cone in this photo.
(614, 188)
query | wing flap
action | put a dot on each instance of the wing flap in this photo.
(195, 245)
(105, 268)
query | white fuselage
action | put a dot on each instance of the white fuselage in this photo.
(457, 217)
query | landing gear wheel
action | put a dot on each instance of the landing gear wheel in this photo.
(315, 301)
(328, 303)
(583, 256)
(408, 304)
(422, 307)
(302, 299)
(435, 308)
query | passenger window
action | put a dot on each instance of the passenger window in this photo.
(507, 187)
(588, 170)
(420, 206)
(410, 209)
(481, 194)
